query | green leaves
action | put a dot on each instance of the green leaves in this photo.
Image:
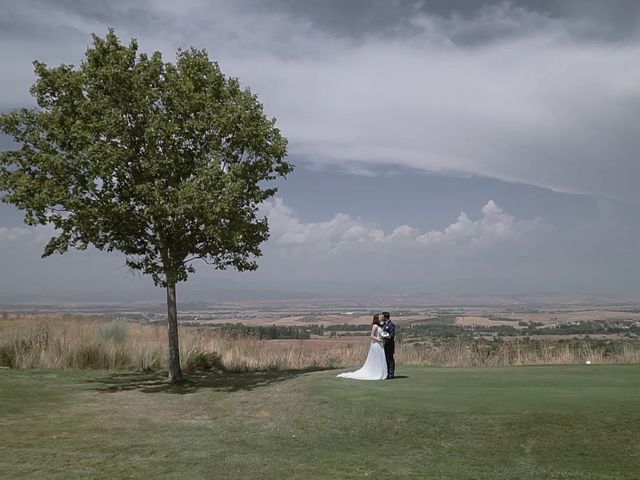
(164, 162)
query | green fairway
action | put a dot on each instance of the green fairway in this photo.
(574, 422)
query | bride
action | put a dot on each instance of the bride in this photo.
(375, 367)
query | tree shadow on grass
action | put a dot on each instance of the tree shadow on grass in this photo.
(156, 382)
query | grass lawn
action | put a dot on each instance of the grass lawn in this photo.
(574, 422)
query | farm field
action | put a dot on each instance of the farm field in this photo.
(550, 422)
(480, 317)
(566, 315)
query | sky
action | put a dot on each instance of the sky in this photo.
(444, 146)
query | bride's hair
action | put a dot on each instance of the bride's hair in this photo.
(376, 320)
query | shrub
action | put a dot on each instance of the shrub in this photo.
(204, 362)
(115, 330)
(7, 356)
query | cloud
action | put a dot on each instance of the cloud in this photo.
(288, 231)
(541, 111)
(504, 92)
(495, 226)
(352, 254)
(489, 251)
(291, 235)
(485, 251)
(32, 236)
(342, 232)
(495, 89)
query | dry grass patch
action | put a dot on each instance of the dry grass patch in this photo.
(484, 321)
(57, 342)
(561, 316)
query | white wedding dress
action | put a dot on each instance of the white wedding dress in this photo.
(375, 367)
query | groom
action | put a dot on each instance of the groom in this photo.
(390, 344)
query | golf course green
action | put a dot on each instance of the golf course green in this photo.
(544, 422)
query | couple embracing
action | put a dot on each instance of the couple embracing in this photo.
(380, 363)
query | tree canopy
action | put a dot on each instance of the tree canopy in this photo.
(166, 163)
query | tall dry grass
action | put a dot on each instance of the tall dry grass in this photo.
(56, 341)
(513, 351)
(62, 342)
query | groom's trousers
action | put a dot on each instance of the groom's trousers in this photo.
(389, 351)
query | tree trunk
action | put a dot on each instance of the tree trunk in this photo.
(175, 374)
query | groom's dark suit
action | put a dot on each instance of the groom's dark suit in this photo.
(390, 347)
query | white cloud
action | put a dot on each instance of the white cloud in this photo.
(36, 236)
(484, 250)
(342, 232)
(403, 232)
(287, 230)
(495, 225)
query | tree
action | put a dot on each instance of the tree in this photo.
(166, 163)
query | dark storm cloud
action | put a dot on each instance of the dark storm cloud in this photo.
(365, 18)
(521, 91)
